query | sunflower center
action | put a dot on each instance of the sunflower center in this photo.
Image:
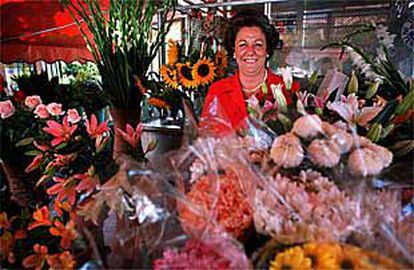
(314, 260)
(347, 265)
(203, 70)
(286, 267)
(186, 72)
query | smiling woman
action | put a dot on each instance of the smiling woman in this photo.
(251, 40)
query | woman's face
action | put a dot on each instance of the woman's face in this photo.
(250, 50)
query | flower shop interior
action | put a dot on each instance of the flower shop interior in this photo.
(132, 136)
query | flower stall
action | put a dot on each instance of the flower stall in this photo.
(148, 158)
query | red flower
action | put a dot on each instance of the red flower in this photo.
(67, 233)
(66, 188)
(20, 234)
(41, 217)
(61, 160)
(35, 163)
(61, 261)
(130, 136)
(19, 96)
(88, 182)
(4, 221)
(38, 259)
(61, 132)
(94, 129)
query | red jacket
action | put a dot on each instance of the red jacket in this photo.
(225, 106)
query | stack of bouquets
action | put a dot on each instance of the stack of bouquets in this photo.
(298, 196)
(163, 244)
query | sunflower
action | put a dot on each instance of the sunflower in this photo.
(220, 60)
(293, 258)
(158, 102)
(169, 76)
(352, 258)
(172, 52)
(323, 256)
(203, 72)
(185, 75)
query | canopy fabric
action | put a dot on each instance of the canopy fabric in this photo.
(40, 30)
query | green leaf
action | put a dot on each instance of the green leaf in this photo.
(61, 146)
(33, 153)
(24, 142)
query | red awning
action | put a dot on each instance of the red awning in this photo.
(40, 30)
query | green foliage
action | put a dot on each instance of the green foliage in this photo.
(121, 43)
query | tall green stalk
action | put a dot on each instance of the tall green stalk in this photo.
(121, 42)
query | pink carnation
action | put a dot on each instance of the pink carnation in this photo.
(324, 153)
(307, 126)
(6, 109)
(55, 108)
(73, 116)
(41, 111)
(32, 101)
(364, 161)
(287, 151)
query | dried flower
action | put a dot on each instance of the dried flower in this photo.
(293, 258)
(287, 151)
(307, 126)
(324, 153)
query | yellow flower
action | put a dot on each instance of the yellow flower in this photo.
(323, 255)
(294, 259)
(185, 75)
(203, 72)
(172, 52)
(352, 258)
(169, 76)
(157, 102)
(220, 60)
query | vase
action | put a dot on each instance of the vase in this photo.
(19, 183)
(121, 117)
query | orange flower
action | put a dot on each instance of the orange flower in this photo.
(132, 136)
(61, 132)
(67, 233)
(61, 160)
(94, 129)
(6, 246)
(38, 259)
(4, 221)
(41, 217)
(59, 206)
(157, 102)
(61, 261)
(66, 188)
(20, 234)
(169, 76)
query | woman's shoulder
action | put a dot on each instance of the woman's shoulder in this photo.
(224, 85)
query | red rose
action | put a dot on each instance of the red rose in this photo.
(19, 96)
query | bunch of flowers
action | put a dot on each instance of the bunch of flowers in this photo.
(44, 238)
(304, 209)
(330, 255)
(216, 199)
(365, 158)
(196, 254)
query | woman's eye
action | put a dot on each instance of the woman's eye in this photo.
(259, 45)
(242, 45)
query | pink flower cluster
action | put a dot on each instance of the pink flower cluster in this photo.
(310, 208)
(197, 255)
(6, 109)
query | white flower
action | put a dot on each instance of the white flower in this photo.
(279, 97)
(384, 37)
(287, 77)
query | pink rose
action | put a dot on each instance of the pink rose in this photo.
(6, 109)
(32, 101)
(55, 108)
(73, 116)
(41, 111)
